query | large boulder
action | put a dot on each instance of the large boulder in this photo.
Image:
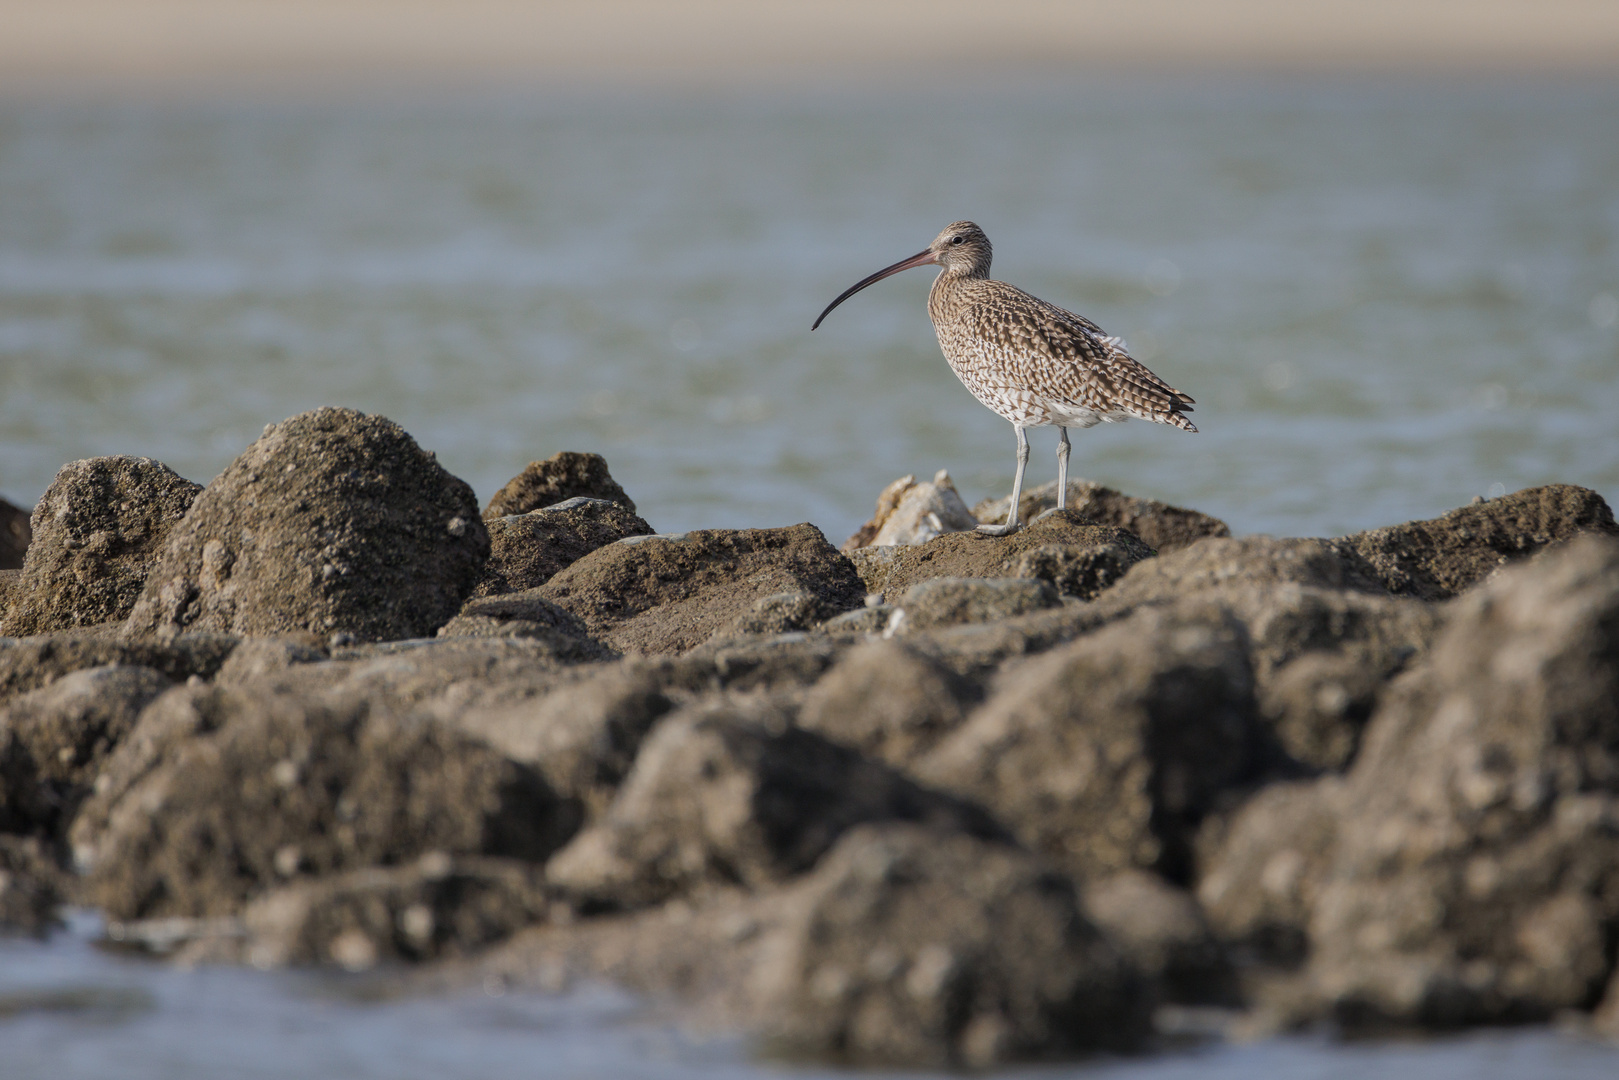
(1105, 754)
(15, 533)
(31, 663)
(266, 788)
(1436, 559)
(562, 476)
(923, 949)
(722, 795)
(668, 593)
(98, 531)
(888, 701)
(1162, 527)
(1107, 551)
(54, 740)
(526, 550)
(333, 522)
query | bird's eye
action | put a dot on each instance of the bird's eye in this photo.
(957, 239)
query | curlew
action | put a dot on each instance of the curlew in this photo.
(1031, 362)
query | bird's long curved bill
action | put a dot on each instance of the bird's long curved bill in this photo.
(921, 258)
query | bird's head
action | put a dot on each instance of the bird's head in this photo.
(962, 250)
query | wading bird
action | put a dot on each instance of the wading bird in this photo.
(1031, 362)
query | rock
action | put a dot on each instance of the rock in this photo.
(267, 787)
(783, 663)
(974, 555)
(1162, 527)
(888, 701)
(15, 533)
(53, 741)
(952, 601)
(98, 531)
(35, 662)
(10, 581)
(1475, 875)
(1436, 559)
(333, 522)
(913, 513)
(257, 657)
(668, 593)
(1163, 933)
(1263, 868)
(31, 886)
(913, 948)
(528, 615)
(1106, 753)
(1080, 571)
(437, 907)
(874, 564)
(562, 476)
(1245, 563)
(783, 613)
(526, 550)
(725, 795)
(582, 736)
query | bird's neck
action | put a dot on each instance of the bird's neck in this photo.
(947, 287)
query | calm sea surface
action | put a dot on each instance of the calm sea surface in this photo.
(1386, 298)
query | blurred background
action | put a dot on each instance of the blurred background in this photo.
(1378, 242)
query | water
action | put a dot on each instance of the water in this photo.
(1386, 298)
(70, 1011)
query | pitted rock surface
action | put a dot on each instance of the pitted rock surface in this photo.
(560, 477)
(526, 550)
(1162, 527)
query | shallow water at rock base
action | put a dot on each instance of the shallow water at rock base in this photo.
(70, 1009)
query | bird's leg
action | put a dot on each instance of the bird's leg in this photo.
(1012, 525)
(1062, 468)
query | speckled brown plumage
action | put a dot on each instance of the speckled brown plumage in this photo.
(1030, 361)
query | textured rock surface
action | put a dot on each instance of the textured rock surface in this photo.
(952, 601)
(909, 512)
(527, 614)
(31, 886)
(1162, 527)
(1440, 558)
(287, 786)
(98, 531)
(332, 522)
(974, 555)
(1163, 932)
(35, 662)
(1105, 754)
(888, 701)
(913, 947)
(725, 794)
(562, 476)
(669, 593)
(15, 532)
(526, 550)
(54, 740)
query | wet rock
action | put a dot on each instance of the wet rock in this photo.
(333, 522)
(437, 907)
(582, 736)
(974, 555)
(669, 593)
(98, 531)
(15, 532)
(31, 886)
(1475, 876)
(1162, 527)
(528, 615)
(1106, 753)
(888, 701)
(1436, 559)
(915, 948)
(562, 476)
(951, 601)
(1163, 933)
(284, 786)
(726, 794)
(54, 740)
(526, 550)
(914, 513)
(35, 662)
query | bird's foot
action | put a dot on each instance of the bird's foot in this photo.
(1000, 530)
(1046, 513)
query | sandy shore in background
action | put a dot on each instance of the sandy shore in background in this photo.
(180, 45)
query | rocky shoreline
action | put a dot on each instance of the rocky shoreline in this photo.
(945, 800)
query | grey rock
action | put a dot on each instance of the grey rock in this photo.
(527, 614)
(1079, 571)
(1162, 527)
(526, 550)
(333, 522)
(724, 794)
(31, 663)
(562, 476)
(1105, 754)
(952, 601)
(1164, 934)
(98, 531)
(669, 593)
(888, 701)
